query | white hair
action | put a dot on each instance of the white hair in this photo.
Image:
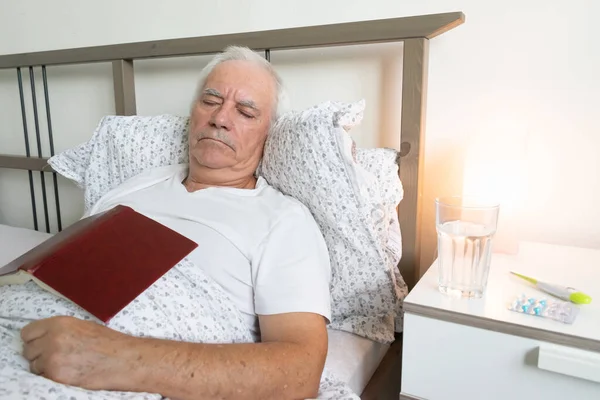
(241, 53)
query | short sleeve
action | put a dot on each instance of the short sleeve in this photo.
(291, 269)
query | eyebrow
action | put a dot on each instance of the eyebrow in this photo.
(213, 92)
(243, 103)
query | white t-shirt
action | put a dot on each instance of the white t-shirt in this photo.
(264, 248)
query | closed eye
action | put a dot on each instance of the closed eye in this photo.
(246, 115)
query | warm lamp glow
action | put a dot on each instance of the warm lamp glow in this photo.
(492, 180)
(494, 171)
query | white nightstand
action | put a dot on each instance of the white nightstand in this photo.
(478, 349)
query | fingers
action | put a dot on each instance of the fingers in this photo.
(33, 349)
(33, 346)
(33, 331)
(35, 366)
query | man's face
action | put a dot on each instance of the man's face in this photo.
(230, 120)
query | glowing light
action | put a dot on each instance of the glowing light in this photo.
(495, 171)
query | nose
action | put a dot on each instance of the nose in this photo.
(221, 117)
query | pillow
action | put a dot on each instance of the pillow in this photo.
(310, 156)
(120, 148)
(383, 164)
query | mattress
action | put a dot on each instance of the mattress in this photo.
(352, 358)
(16, 241)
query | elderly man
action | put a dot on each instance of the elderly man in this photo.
(262, 247)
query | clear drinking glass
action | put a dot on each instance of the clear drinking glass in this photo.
(465, 228)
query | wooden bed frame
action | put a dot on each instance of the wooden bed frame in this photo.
(415, 33)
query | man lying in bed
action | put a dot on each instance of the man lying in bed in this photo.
(263, 248)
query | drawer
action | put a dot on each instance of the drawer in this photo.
(445, 360)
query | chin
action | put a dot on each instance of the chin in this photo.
(213, 161)
(212, 154)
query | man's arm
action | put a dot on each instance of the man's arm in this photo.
(287, 364)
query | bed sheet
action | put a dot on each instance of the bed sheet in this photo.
(351, 358)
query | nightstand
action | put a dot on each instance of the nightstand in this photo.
(478, 349)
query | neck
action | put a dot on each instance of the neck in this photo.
(202, 181)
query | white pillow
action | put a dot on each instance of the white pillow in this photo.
(120, 148)
(310, 156)
(383, 164)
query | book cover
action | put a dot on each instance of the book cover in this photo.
(102, 262)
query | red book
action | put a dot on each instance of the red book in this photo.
(102, 262)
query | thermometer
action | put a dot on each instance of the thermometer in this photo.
(562, 292)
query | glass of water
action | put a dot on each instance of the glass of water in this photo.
(465, 228)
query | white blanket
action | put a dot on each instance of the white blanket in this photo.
(184, 305)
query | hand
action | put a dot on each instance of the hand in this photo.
(76, 352)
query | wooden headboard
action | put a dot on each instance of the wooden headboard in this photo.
(415, 33)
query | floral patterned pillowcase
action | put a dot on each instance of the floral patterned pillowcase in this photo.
(352, 194)
(120, 148)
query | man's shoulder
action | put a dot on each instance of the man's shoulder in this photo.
(287, 211)
(146, 179)
(283, 206)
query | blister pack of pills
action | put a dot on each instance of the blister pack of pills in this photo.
(558, 310)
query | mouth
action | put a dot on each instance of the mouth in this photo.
(216, 140)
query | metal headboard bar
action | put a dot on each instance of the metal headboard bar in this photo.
(27, 150)
(124, 87)
(39, 147)
(415, 32)
(382, 30)
(51, 142)
(24, 162)
(412, 153)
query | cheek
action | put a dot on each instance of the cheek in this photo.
(255, 143)
(198, 119)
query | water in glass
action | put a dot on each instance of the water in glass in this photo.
(464, 252)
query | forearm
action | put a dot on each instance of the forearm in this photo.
(242, 371)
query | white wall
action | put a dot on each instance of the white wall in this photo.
(518, 78)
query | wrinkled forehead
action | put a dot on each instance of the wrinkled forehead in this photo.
(243, 81)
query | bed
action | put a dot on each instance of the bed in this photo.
(371, 369)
